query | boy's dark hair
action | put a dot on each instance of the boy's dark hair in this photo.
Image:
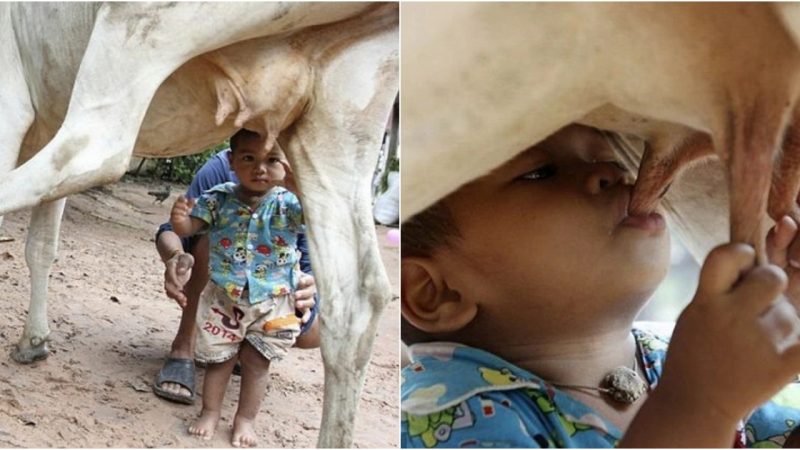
(423, 233)
(242, 135)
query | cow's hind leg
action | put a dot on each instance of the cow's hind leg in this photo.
(40, 252)
(14, 98)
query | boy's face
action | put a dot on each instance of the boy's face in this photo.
(256, 168)
(545, 239)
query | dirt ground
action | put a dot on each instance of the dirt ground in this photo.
(111, 327)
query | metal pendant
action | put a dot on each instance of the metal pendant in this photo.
(624, 385)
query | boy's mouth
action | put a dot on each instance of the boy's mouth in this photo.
(651, 222)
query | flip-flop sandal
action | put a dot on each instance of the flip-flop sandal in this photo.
(179, 371)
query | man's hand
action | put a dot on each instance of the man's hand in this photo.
(304, 296)
(177, 271)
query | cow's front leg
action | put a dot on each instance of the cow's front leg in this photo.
(14, 98)
(40, 252)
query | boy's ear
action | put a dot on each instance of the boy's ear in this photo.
(427, 302)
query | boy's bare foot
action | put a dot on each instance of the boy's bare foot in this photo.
(205, 425)
(244, 434)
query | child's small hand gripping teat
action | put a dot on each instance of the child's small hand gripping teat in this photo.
(288, 180)
(780, 321)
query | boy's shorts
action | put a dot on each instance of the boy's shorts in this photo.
(271, 326)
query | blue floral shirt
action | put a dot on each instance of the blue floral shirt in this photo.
(251, 248)
(457, 396)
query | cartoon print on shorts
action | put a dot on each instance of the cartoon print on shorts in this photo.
(435, 428)
(776, 441)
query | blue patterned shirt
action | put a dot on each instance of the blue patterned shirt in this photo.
(251, 248)
(458, 396)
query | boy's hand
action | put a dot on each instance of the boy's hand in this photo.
(783, 250)
(721, 360)
(288, 180)
(179, 216)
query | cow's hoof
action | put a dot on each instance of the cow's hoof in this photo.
(28, 355)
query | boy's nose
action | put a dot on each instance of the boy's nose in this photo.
(604, 175)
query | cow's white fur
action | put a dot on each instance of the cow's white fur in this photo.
(66, 138)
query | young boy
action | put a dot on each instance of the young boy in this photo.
(246, 312)
(519, 293)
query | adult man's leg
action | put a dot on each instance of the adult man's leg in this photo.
(176, 381)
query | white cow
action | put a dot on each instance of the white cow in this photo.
(483, 82)
(84, 86)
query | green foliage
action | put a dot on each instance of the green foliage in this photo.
(183, 168)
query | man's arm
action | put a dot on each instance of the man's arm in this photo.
(177, 264)
(168, 244)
